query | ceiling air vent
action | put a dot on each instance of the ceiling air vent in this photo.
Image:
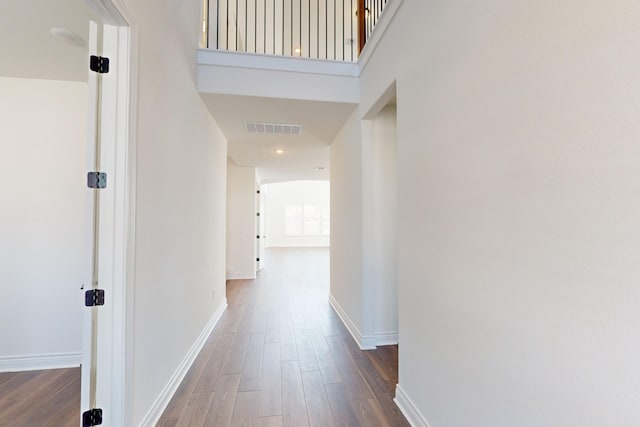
(274, 128)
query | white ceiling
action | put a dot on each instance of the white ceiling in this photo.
(29, 50)
(321, 122)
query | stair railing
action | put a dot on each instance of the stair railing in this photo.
(321, 29)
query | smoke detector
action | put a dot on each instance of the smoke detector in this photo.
(68, 36)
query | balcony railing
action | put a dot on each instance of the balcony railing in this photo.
(323, 29)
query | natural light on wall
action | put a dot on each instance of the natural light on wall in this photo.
(297, 214)
(306, 220)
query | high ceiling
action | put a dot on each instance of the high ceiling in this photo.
(301, 154)
(29, 50)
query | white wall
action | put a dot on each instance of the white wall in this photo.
(231, 73)
(241, 222)
(364, 286)
(346, 224)
(42, 222)
(363, 156)
(379, 221)
(518, 238)
(181, 200)
(296, 193)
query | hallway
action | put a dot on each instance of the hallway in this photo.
(281, 356)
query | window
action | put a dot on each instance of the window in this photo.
(311, 220)
(293, 221)
(326, 226)
(307, 220)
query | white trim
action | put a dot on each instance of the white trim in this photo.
(119, 403)
(309, 246)
(124, 285)
(382, 101)
(92, 43)
(241, 276)
(126, 375)
(364, 342)
(158, 407)
(110, 11)
(408, 409)
(388, 338)
(387, 16)
(257, 61)
(39, 362)
(129, 52)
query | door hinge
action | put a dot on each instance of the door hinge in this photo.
(92, 417)
(257, 237)
(258, 259)
(258, 214)
(99, 64)
(97, 180)
(94, 297)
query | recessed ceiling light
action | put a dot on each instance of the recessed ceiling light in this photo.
(68, 37)
(279, 151)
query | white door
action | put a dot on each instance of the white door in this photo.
(263, 225)
(259, 230)
(107, 331)
(98, 286)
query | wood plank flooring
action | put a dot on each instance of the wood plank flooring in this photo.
(40, 398)
(281, 357)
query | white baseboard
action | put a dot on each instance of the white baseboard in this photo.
(303, 246)
(169, 390)
(364, 342)
(408, 409)
(389, 338)
(241, 276)
(38, 362)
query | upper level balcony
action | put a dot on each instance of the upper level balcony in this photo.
(334, 30)
(307, 50)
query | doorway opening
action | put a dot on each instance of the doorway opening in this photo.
(380, 189)
(54, 120)
(43, 214)
(288, 214)
(42, 250)
(296, 214)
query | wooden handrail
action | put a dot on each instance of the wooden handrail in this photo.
(362, 28)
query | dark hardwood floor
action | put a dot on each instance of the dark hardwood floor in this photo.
(40, 398)
(281, 357)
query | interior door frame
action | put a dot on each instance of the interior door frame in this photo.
(259, 226)
(117, 220)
